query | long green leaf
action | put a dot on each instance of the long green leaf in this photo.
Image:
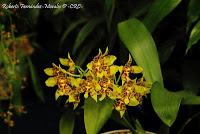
(123, 121)
(165, 50)
(35, 81)
(85, 31)
(193, 12)
(96, 114)
(158, 10)
(191, 77)
(194, 36)
(67, 123)
(33, 12)
(109, 7)
(139, 42)
(71, 27)
(166, 104)
(86, 50)
(189, 98)
(140, 8)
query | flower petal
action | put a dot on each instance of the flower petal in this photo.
(122, 113)
(117, 89)
(103, 96)
(133, 101)
(136, 69)
(126, 101)
(120, 69)
(110, 59)
(71, 98)
(86, 95)
(48, 71)
(58, 94)
(94, 96)
(64, 61)
(97, 86)
(89, 66)
(141, 89)
(114, 69)
(51, 82)
(75, 82)
(75, 105)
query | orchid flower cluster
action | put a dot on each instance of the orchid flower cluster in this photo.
(13, 72)
(101, 79)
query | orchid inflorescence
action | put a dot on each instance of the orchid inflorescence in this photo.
(99, 81)
(13, 72)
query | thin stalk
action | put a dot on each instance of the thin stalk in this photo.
(130, 126)
(80, 69)
(74, 75)
(118, 78)
(187, 122)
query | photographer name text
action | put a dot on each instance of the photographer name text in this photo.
(40, 6)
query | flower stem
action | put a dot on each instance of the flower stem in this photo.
(118, 78)
(74, 75)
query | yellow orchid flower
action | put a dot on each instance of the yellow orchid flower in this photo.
(102, 65)
(68, 62)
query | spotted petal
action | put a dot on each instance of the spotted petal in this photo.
(114, 69)
(141, 89)
(71, 98)
(110, 59)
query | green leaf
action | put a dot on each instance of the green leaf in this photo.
(166, 104)
(96, 114)
(190, 75)
(193, 12)
(125, 121)
(69, 29)
(35, 81)
(109, 7)
(158, 10)
(139, 128)
(165, 50)
(87, 49)
(85, 31)
(189, 98)
(33, 13)
(66, 124)
(140, 44)
(194, 36)
(140, 8)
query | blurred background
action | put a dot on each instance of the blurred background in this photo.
(35, 38)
